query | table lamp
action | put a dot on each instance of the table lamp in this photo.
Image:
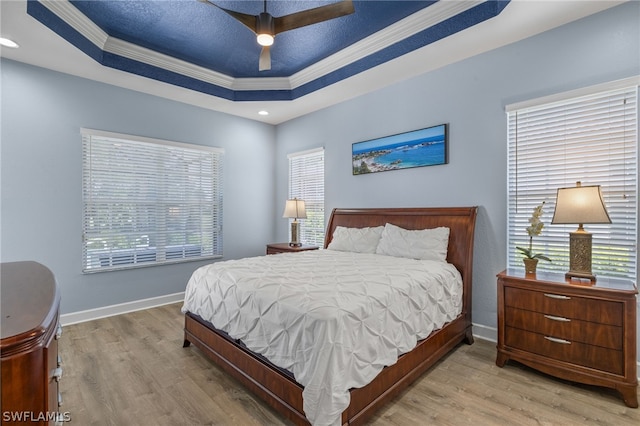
(295, 209)
(580, 205)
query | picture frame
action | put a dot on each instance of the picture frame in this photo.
(417, 148)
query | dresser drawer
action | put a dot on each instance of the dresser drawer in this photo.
(605, 335)
(55, 370)
(565, 350)
(557, 304)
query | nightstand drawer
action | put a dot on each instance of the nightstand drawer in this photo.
(558, 304)
(565, 350)
(608, 336)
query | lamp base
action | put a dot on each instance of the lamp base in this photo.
(571, 274)
(295, 240)
(580, 255)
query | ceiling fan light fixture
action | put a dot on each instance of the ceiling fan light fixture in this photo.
(265, 39)
(265, 26)
(265, 29)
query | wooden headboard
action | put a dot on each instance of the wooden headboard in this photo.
(460, 221)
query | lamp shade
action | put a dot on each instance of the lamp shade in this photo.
(295, 209)
(580, 204)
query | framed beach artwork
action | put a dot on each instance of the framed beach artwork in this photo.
(418, 148)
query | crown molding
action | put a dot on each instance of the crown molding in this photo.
(413, 24)
(395, 33)
(137, 53)
(77, 20)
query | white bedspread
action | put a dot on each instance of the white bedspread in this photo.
(334, 319)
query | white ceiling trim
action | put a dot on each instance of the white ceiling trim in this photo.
(88, 29)
(264, 83)
(395, 33)
(78, 21)
(412, 24)
(150, 57)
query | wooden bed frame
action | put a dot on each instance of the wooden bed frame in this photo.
(284, 394)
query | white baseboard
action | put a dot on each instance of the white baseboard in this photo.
(485, 333)
(121, 308)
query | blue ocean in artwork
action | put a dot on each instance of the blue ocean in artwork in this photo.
(415, 155)
(425, 147)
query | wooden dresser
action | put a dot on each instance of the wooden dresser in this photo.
(30, 331)
(584, 332)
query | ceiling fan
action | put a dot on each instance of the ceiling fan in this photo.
(266, 26)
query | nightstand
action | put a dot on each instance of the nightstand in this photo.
(583, 332)
(276, 248)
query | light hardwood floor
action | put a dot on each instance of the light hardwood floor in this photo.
(132, 370)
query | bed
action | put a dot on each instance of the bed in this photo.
(266, 375)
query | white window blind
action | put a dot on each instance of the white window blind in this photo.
(591, 138)
(148, 202)
(306, 182)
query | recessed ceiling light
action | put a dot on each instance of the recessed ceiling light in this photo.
(263, 112)
(8, 43)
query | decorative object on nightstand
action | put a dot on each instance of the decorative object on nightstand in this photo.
(295, 209)
(535, 227)
(577, 332)
(580, 205)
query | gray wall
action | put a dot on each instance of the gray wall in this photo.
(470, 96)
(41, 164)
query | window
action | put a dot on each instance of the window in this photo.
(588, 136)
(306, 182)
(148, 202)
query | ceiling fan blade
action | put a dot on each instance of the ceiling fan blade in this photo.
(313, 16)
(265, 59)
(250, 21)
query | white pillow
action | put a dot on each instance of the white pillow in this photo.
(358, 240)
(426, 244)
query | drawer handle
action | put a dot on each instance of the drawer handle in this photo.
(57, 374)
(554, 318)
(556, 340)
(557, 296)
(58, 332)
